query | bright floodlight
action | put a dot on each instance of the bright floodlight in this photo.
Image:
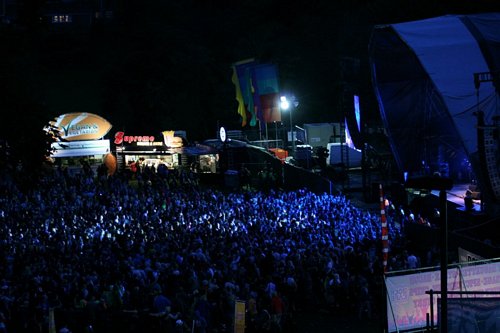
(284, 103)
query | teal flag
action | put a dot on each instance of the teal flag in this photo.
(266, 94)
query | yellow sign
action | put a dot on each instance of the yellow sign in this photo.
(239, 317)
(170, 140)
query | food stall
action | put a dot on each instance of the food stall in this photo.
(168, 148)
(79, 139)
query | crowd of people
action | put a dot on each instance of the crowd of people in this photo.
(88, 252)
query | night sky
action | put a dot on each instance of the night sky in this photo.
(166, 65)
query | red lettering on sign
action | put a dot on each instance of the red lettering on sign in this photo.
(120, 137)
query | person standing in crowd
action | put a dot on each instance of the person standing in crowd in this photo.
(412, 261)
(468, 201)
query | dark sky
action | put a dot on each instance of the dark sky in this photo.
(165, 65)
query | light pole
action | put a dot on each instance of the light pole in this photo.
(285, 105)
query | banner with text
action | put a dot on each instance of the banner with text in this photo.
(407, 301)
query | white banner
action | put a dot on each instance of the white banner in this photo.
(80, 148)
(408, 304)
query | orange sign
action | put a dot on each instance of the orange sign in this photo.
(81, 126)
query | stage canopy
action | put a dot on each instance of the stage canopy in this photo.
(423, 76)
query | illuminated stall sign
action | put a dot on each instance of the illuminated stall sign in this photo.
(139, 140)
(170, 139)
(80, 148)
(80, 126)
